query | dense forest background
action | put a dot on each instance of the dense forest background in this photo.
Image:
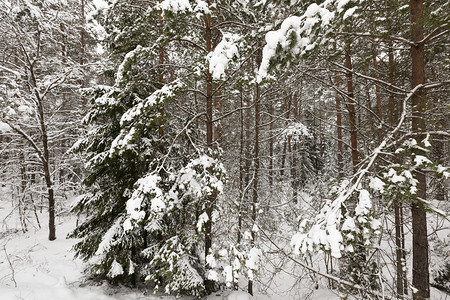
(273, 147)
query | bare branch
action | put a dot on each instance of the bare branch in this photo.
(10, 266)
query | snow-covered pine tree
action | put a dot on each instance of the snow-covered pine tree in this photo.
(147, 180)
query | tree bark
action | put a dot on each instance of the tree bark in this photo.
(402, 289)
(271, 144)
(209, 134)
(45, 159)
(256, 172)
(241, 168)
(210, 199)
(375, 67)
(22, 196)
(340, 161)
(82, 49)
(47, 173)
(400, 259)
(421, 280)
(287, 105)
(161, 74)
(351, 106)
(294, 165)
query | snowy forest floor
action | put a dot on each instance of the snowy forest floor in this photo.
(32, 267)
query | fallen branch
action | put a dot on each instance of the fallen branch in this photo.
(13, 278)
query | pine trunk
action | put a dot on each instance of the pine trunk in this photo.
(421, 280)
(161, 74)
(287, 105)
(351, 107)
(241, 168)
(209, 134)
(400, 255)
(83, 48)
(271, 140)
(340, 160)
(256, 172)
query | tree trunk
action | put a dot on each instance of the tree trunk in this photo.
(400, 259)
(209, 132)
(271, 144)
(22, 194)
(391, 65)
(161, 75)
(287, 105)
(47, 173)
(369, 108)
(421, 280)
(45, 156)
(294, 158)
(210, 199)
(294, 167)
(400, 251)
(340, 161)
(241, 169)
(82, 50)
(351, 107)
(256, 172)
(247, 154)
(375, 67)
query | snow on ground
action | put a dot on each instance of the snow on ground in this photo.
(46, 270)
(31, 267)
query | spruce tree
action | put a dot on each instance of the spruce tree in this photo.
(146, 180)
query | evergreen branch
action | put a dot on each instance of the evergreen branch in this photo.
(193, 44)
(436, 33)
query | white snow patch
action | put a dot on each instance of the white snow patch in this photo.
(254, 257)
(175, 5)
(296, 131)
(239, 295)
(100, 4)
(213, 275)
(116, 270)
(349, 224)
(202, 219)
(211, 261)
(4, 127)
(108, 238)
(364, 204)
(202, 6)
(349, 13)
(376, 184)
(47, 269)
(393, 177)
(225, 51)
(375, 224)
(228, 273)
(421, 160)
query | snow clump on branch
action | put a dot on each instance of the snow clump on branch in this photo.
(296, 131)
(224, 52)
(328, 232)
(299, 34)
